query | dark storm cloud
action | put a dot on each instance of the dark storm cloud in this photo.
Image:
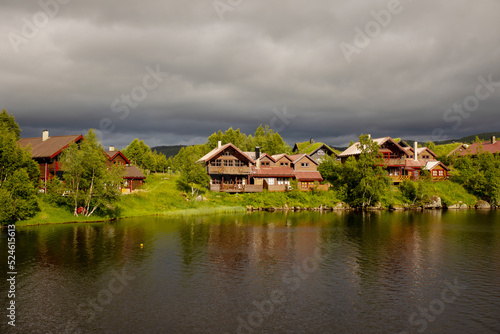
(262, 56)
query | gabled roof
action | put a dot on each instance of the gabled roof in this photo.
(308, 148)
(263, 155)
(273, 172)
(112, 154)
(486, 146)
(308, 176)
(280, 156)
(420, 150)
(355, 148)
(132, 172)
(210, 155)
(49, 148)
(459, 148)
(297, 157)
(433, 164)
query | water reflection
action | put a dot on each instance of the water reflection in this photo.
(206, 274)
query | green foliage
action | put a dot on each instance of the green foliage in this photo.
(266, 138)
(18, 174)
(89, 182)
(360, 182)
(480, 175)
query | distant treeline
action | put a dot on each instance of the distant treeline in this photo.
(168, 150)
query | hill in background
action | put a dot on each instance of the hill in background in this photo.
(168, 150)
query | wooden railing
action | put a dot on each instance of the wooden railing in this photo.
(245, 170)
(237, 188)
(394, 162)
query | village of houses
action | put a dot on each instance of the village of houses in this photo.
(234, 171)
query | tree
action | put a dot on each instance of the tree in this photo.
(19, 174)
(360, 182)
(90, 182)
(193, 174)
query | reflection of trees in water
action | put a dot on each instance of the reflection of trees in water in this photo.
(83, 245)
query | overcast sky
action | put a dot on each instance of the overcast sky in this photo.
(173, 72)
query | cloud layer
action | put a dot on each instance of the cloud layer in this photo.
(407, 63)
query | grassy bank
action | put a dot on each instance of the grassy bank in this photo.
(161, 196)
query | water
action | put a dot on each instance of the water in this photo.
(382, 272)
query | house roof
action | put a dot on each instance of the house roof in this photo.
(280, 156)
(355, 148)
(308, 176)
(210, 155)
(273, 172)
(459, 148)
(297, 157)
(486, 146)
(420, 150)
(49, 148)
(308, 148)
(412, 163)
(132, 172)
(112, 154)
(433, 164)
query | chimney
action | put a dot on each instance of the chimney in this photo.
(219, 144)
(311, 141)
(111, 148)
(415, 155)
(257, 152)
(493, 139)
(369, 136)
(45, 135)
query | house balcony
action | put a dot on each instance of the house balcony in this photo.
(229, 170)
(401, 178)
(394, 162)
(237, 188)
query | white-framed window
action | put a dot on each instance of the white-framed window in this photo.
(270, 181)
(283, 180)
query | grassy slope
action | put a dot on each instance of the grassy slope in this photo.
(160, 196)
(443, 150)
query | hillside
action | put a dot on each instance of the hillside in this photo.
(168, 150)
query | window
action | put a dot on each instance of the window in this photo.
(304, 164)
(265, 163)
(434, 173)
(386, 155)
(283, 180)
(441, 172)
(230, 163)
(270, 181)
(320, 152)
(227, 153)
(218, 163)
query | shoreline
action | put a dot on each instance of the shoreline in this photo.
(250, 210)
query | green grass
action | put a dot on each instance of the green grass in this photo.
(452, 193)
(161, 196)
(53, 214)
(444, 150)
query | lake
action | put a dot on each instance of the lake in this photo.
(307, 272)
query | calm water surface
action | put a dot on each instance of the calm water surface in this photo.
(433, 272)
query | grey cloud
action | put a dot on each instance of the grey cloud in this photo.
(263, 55)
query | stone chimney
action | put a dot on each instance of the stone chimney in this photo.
(219, 144)
(493, 139)
(111, 148)
(311, 141)
(45, 135)
(415, 156)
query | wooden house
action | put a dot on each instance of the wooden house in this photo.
(459, 149)
(232, 170)
(133, 177)
(229, 168)
(400, 162)
(492, 146)
(46, 151)
(317, 151)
